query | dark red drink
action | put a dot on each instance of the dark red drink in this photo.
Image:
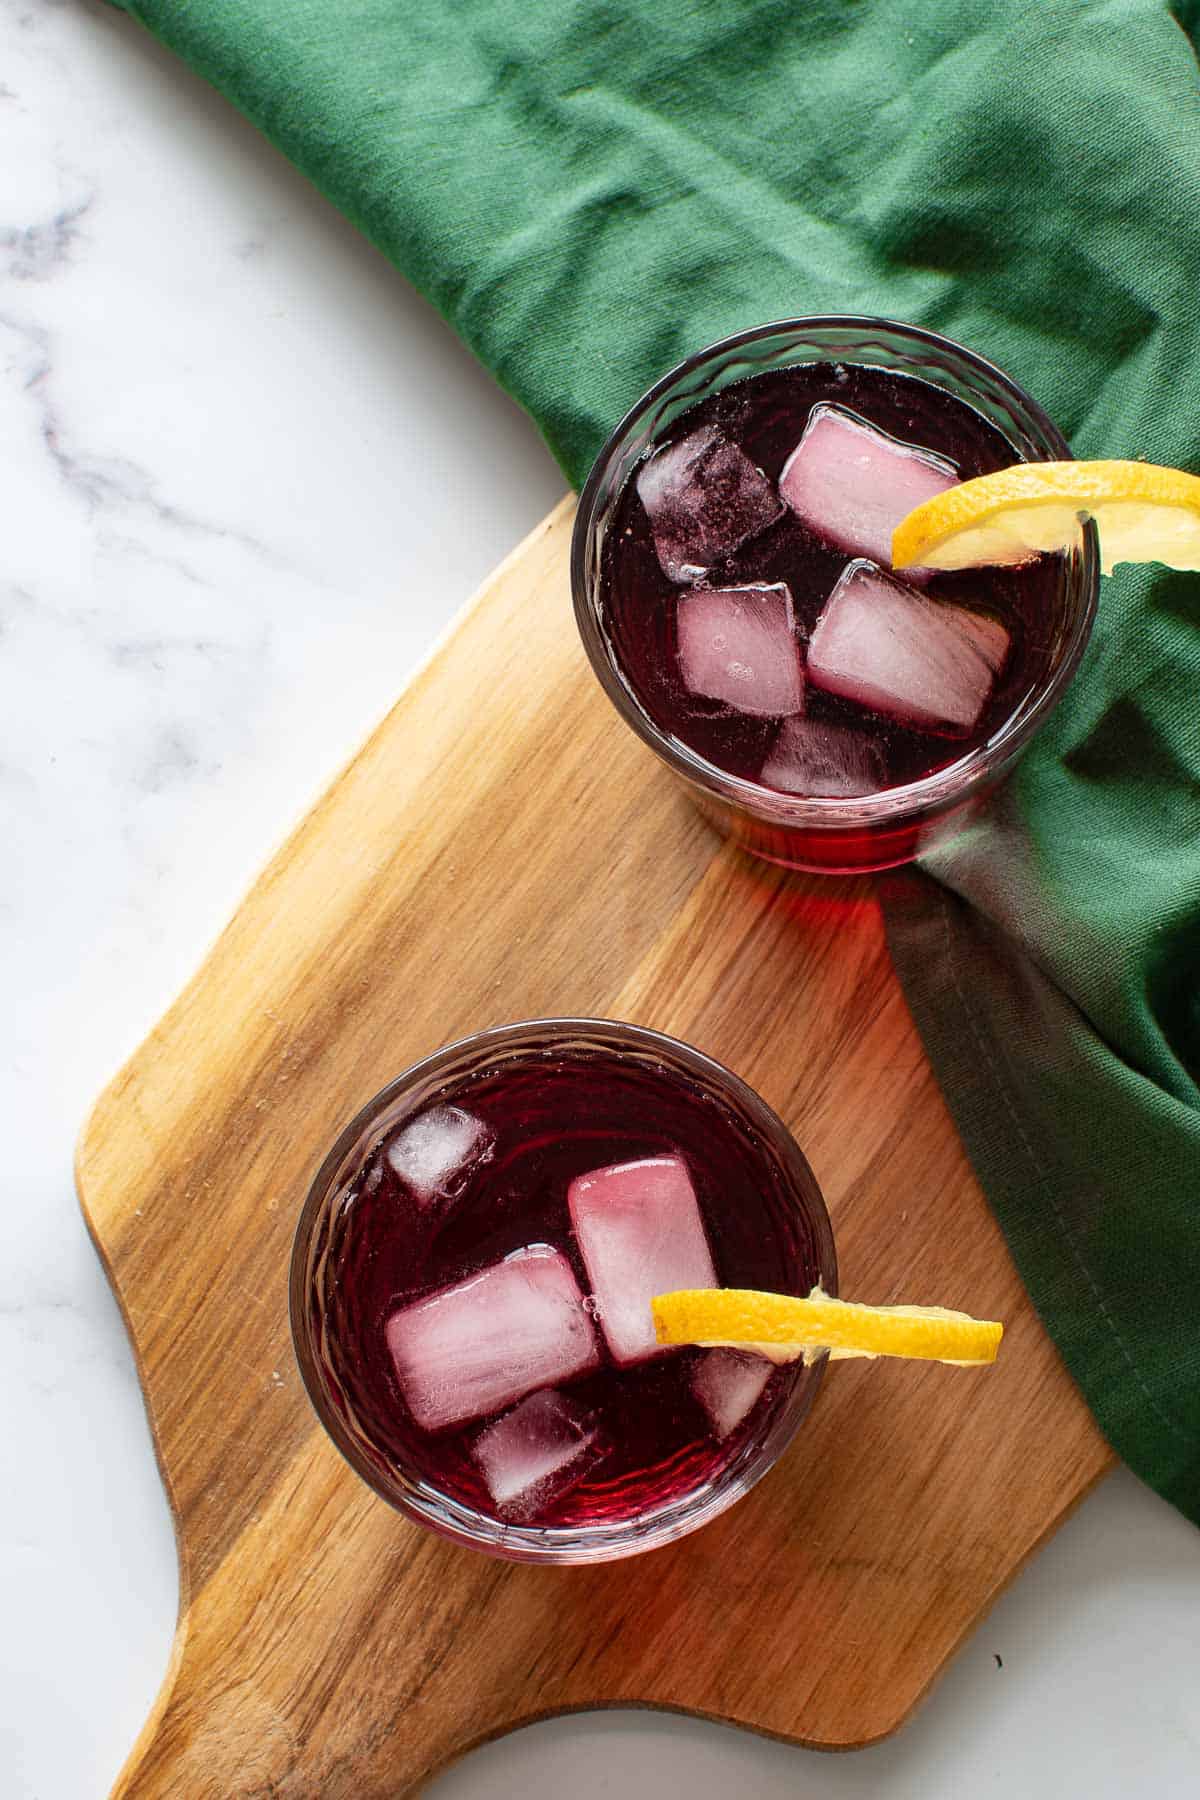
(474, 1287)
(734, 587)
(765, 415)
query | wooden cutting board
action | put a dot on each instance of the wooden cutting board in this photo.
(504, 848)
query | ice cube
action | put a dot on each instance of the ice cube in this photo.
(703, 497)
(435, 1152)
(739, 645)
(923, 661)
(536, 1452)
(727, 1384)
(852, 484)
(639, 1230)
(483, 1343)
(823, 761)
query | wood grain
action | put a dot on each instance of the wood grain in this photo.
(504, 848)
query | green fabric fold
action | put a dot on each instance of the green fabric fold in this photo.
(590, 192)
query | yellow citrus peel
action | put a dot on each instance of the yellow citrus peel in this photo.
(785, 1328)
(1143, 513)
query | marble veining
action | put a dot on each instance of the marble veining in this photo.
(102, 481)
(39, 251)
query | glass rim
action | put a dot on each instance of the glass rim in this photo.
(585, 1543)
(930, 793)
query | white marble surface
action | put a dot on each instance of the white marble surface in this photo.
(247, 476)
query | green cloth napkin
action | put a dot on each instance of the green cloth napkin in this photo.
(588, 192)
